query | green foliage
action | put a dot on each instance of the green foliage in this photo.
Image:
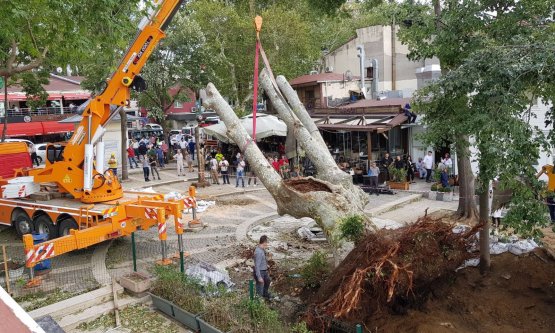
(352, 228)
(300, 328)
(494, 68)
(179, 289)
(315, 270)
(263, 318)
(397, 175)
(50, 34)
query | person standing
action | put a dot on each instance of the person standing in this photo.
(448, 162)
(224, 168)
(180, 164)
(386, 162)
(146, 167)
(373, 173)
(160, 156)
(260, 270)
(428, 164)
(214, 170)
(135, 146)
(113, 164)
(188, 160)
(183, 145)
(34, 156)
(409, 165)
(131, 157)
(152, 162)
(165, 149)
(192, 146)
(251, 175)
(420, 168)
(240, 172)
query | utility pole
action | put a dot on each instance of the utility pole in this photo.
(124, 159)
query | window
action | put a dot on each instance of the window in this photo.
(369, 72)
(178, 105)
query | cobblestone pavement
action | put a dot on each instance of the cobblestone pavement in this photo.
(227, 226)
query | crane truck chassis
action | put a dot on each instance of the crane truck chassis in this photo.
(99, 209)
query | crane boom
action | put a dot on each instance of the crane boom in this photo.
(72, 168)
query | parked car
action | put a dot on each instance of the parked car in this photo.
(29, 143)
(41, 151)
(153, 126)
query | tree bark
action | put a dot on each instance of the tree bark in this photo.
(485, 259)
(325, 202)
(467, 202)
(315, 149)
(124, 142)
(200, 160)
(299, 110)
(5, 129)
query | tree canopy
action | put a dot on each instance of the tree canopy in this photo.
(497, 59)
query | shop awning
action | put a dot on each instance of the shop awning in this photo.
(23, 129)
(54, 127)
(36, 128)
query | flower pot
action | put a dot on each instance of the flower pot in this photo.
(398, 185)
(162, 305)
(186, 318)
(135, 282)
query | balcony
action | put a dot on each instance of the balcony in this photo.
(44, 111)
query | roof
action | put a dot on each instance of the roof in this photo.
(317, 78)
(56, 83)
(369, 103)
(362, 123)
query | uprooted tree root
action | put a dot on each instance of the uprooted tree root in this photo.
(390, 270)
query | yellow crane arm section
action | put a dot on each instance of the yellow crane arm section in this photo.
(69, 170)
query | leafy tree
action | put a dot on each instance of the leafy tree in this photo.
(496, 58)
(40, 35)
(179, 64)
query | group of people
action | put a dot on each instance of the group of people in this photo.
(424, 168)
(283, 167)
(219, 165)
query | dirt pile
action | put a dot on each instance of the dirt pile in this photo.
(306, 185)
(390, 271)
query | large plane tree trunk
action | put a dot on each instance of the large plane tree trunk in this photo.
(467, 200)
(327, 200)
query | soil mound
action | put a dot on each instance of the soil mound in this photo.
(307, 185)
(518, 295)
(390, 271)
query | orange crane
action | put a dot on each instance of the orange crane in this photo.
(109, 212)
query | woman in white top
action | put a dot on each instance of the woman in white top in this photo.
(448, 162)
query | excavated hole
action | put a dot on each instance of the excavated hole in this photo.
(307, 185)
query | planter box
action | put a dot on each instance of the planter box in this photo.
(207, 328)
(444, 196)
(398, 185)
(430, 195)
(162, 305)
(186, 318)
(135, 282)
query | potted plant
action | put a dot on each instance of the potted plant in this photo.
(398, 178)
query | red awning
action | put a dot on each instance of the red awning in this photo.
(23, 129)
(17, 97)
(54, 127)
(37, 128)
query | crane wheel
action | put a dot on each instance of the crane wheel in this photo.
(43, 225)
(23, 225)
(66, 225)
